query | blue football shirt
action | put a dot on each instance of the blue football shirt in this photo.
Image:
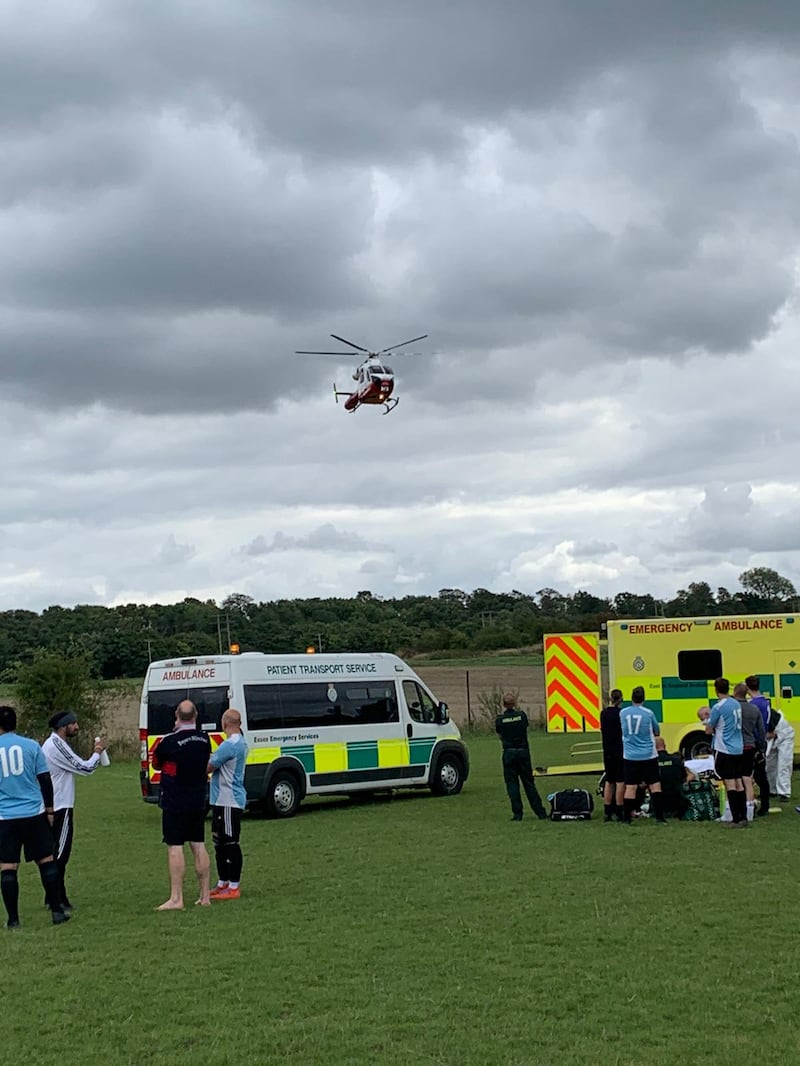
(227, 779)
(639, 732)
(726, 721)
(21, 761)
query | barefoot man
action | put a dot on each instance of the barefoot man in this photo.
(182, 757)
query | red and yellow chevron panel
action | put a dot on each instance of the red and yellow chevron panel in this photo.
(572, 682)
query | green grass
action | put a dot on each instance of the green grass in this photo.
(415, 930)
(476, 659)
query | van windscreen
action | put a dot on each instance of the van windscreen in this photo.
(161, 704)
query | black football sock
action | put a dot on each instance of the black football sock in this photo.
(741, 805)
(733, 803)
(10, 890)
(51, 883)
(629, 808)
(608, 810)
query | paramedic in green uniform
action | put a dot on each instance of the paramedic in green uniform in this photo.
(512, 728)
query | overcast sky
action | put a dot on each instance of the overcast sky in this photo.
(590, 207)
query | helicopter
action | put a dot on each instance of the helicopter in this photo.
(375, 380)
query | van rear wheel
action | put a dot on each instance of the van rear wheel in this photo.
(695, 746)
(447, 778)
(283, 795)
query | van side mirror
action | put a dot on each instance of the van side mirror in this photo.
(442, 714)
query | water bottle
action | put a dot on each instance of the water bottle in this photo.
(104, 759)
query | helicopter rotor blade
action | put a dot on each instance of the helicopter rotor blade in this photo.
(345, 341)
(344, 355)
(400, 345)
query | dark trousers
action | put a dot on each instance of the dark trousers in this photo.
(63, 832)
(761, 781)
(516, 768)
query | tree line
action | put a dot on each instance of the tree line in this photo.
(119, 642)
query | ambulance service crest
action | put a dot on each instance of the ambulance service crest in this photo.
(638, 664)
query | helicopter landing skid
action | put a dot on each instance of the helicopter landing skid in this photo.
(391, 404)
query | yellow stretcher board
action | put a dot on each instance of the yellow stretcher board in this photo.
(572, 682)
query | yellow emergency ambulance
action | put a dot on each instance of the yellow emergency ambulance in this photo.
(676, 661)
(314, 724)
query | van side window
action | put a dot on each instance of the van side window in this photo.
(262, 706)
(315, 704)
(420, 705)
(700, 665)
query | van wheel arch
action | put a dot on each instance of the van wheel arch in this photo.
(695, 744)
(449, 769)
(284, 790)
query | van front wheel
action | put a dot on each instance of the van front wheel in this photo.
(447, 778)
(283, 795)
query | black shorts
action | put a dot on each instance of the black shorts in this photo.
(748, 761)
(226, 825)
(641, 771)
(728, 767)
(183, 827)
(32, 834)
(614, 770)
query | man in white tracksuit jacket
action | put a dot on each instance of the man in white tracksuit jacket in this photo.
(780, 754)
(64, 766)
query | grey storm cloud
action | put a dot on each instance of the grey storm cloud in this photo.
(190, 192)
(326, 538)
(590, 209)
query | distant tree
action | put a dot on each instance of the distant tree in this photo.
(54, 682)
(552, 602)
(454, 596)
(765, 589)
(585, 603)
(631, 605)
(237, 603)
(697, 599)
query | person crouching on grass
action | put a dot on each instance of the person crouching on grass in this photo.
(228, 800)
(640, 757)
(182, 757)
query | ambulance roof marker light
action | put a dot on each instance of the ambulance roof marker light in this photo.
(234, 649)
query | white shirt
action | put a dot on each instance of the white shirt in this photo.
(64, 764)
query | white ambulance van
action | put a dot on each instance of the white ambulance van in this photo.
(315, 724)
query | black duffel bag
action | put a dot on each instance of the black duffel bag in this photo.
(571, 805)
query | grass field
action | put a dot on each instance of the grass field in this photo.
(416, 930)
(474, 660)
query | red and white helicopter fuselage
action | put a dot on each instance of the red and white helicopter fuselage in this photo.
(375, 383)
(374, 379)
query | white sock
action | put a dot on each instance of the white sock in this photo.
(233, 884)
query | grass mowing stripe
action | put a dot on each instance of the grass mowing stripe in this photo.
(415, 930)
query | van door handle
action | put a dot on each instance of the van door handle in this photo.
(409, 731)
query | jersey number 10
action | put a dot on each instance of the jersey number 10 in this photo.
(11, 761)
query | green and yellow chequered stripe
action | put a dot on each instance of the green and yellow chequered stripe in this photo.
(338, 756)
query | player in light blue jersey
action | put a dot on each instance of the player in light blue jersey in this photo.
(725, 723)
(228, 800)
(26, 818)
(639, 755)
